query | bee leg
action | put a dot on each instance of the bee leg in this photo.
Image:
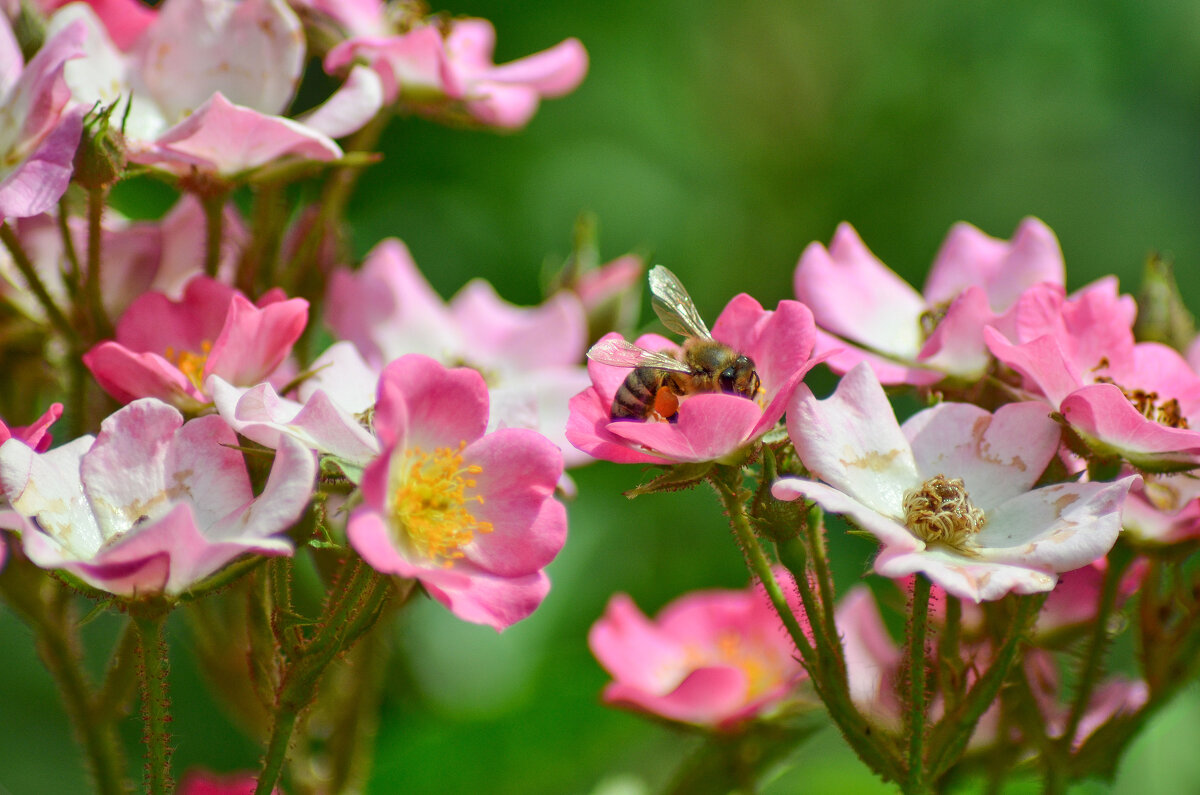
(666, 404)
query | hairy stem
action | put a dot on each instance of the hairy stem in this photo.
(155, 702)
(917, 632)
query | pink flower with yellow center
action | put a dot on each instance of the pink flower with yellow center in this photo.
(168, 349)
(710, 658)
(470, 514)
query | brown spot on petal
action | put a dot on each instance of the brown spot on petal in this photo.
(874, 460)
(1062, 502)
(984, 448)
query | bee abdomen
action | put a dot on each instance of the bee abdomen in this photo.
(635, 396)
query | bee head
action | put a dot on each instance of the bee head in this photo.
(740, 377)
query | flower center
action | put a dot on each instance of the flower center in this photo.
(732, 649)
(941, 512)
(1149, 405)
(931, 317)
(430, 505)
(190, 363)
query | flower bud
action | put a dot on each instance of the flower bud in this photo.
(100, 159)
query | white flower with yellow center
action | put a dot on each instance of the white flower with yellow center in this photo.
(950, 494)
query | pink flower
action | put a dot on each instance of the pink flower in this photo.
(201, 782)
(530, 356)
(450, 76)
(36, 435)
(921, 338)
(167, 349)
(152, 504)
(38, 133)
(470, 514)
(205, 83)
(1123, 398)
(1165, 510)
(709, 426)
(949, 493)
(710, 658)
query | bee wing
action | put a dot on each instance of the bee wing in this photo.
(674, 306)
(620, 353)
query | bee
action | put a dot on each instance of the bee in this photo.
(658, 380)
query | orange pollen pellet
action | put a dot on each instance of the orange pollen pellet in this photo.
(190, 363)
(430, 507)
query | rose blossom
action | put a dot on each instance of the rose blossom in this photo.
(921, 338)
(712, 658)
(470, 514)
(949, 493)
(151, 504)
(708, 426)
(167, 349)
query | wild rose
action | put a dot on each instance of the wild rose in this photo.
(710, 658)
(167, 349)
(950, 493)
(530, 356)
(38, 131)
(469, 514)
(205, 82)
(921, 338)
(151, 504)
(446, 72)
(708, 426)
(1120, 396)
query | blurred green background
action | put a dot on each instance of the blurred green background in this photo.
(722, 138)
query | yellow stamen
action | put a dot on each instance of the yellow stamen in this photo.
(429, 504)
(941, 512)
(190, 363)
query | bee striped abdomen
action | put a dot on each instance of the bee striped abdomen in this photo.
(635, 397)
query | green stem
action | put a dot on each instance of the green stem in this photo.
(47, 612)
(101, 326)
(277, 749)
(870, 744)
(214, 228)
(74, 272)
(949, 738)
(1118, 561)
(34, 282)
(155, 701)
(918, 630)
(820, 559)
(949, 668)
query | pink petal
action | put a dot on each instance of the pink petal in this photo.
(41, 180)
(963, 576)
(1041, 362)
(497, 602)
(520, 469)
(970, 258)
(841, 357)
(229, 139)
(253, 342)
(997, 456)
(260, 524)
(851, 441)
(1103, 414)
(519, 338)
(350, 107)
(854, 295)
(423, 404)
(128, 376)
(709, 427)
(956, 346)
(588, 429)
(251, 52)
(551, 73)
(889, 529)
(707, 696)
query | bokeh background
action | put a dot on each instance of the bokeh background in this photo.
(721, 138)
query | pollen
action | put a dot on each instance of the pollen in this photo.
(941, 512)
(190, 363)
(430, 507)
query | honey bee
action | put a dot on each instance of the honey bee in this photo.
(652, 390)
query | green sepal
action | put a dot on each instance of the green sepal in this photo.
(674, 478)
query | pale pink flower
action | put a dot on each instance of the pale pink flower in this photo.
(868, 313)
(37, 434)
(1122, 397)
(446, 72)
(708, 426)
(710, 658)
(167, 349)
(1164, 510)
(531, 357)
(950, 494)
(205, 83)
(469, 514)
(38, 132)
(151, 504)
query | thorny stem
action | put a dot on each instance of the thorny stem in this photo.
(949, 656)
(101, 326)
(820, 559)
(155, 701)
(25, 266)
(918, 630)
(47, 613)
(75, 273)
(871, 746)
(214, 223)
